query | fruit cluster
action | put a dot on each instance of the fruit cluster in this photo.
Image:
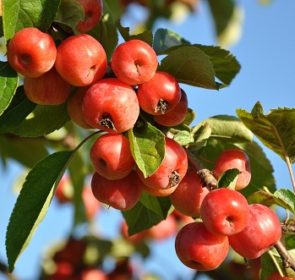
(112, 101)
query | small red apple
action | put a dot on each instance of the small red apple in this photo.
(81, 60)
(47, 89)
(234, 158)
(134, 62)
(177, 115)
(163, 230)
(121, 194)
(111, 156)
(225, 211)
(159, 95)
(199, 249)
(31, 52)
(93, 10)
(171, 170)
(260, 234)
(111, 105)
(188, 196)
(74, 107)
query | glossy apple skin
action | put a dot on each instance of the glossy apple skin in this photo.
(111, 99)
(121, 194)
(134, 62)
(92, 206)
(74, 107)
(81, 60)
(234, 158)
(188, 196)
(31, 52)
(162, 86)
(174, 162)
(225, 211)
(177, 115)
(48, 89)
(277, 276)
(93, 10)
(199, 249)
(260, 234)
(111, 156)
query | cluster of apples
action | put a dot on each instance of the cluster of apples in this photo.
(69, 262)
(227, 218)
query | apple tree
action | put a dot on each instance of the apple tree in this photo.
(85, 99)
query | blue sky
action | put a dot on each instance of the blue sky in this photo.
(266, 53)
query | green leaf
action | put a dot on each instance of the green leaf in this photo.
(33, 202)
(8, 85)
(18, 14)
(147, 145)
(165, 39)
(229, 178)
(42, 121)
(225, 65)
(286, 199)
(190, 65)
(69, 13)
(106, 33)
(148, 212)
(19, 108)
(24, 150)
(262, 197)
(183, 137)
(146, 36)
(275, 130)
(115, 8)
(225, 126)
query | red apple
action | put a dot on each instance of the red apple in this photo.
(188, 196)
(171, 170)
(260, 234)
(177, 115)
(64, 190)
(199, 249)
(134, 62)
(111, 105)
(81, 60)
(121, 194)
(163, 230)
(225, 211)
(74, 107)
(48, 89)
(111, 156)
(234, 158)
(93, 10)
(31, 52)
(159, 95)
(91, 204)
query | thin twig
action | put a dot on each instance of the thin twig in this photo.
(290, 171)
(288, 228)
(288, 261)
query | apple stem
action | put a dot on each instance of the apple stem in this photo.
(290, 171)
(288, 261)
(207, 178)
